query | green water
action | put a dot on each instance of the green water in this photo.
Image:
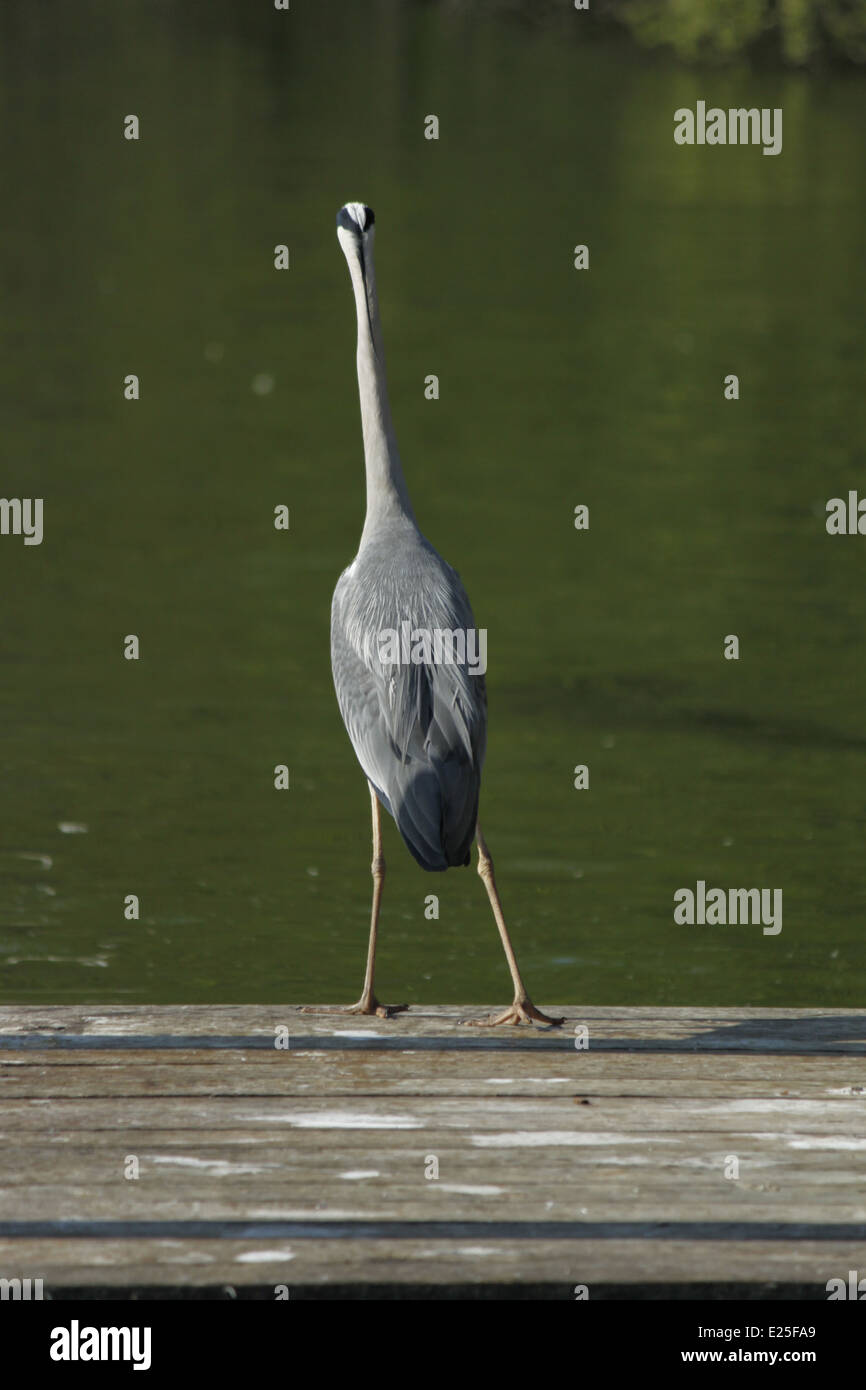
(558, 387)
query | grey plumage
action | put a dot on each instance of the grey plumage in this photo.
(418, 730)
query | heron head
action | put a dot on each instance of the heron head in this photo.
(355, 229)
(355, 218)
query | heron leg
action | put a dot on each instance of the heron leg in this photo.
(522, 1010)
(368, 1003)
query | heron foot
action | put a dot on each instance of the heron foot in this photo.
(521, 1011)
(367, 1004)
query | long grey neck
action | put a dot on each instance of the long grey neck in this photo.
(387, 495)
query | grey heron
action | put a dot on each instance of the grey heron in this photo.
(418, 726)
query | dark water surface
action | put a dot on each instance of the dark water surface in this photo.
(558, 387)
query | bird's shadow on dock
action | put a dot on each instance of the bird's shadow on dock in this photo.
(842, 1033)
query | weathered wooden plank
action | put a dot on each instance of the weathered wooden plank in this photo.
(455, 1262)
(530, 1122)
(796, 1030)
(238, 1018)
(39, 1158)
(455, 1197)
(43, 1075)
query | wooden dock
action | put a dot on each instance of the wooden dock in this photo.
(415, 1153)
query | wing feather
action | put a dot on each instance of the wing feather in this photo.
(418, 729)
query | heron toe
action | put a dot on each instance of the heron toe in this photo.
(521, 1011)
(370, 1006)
